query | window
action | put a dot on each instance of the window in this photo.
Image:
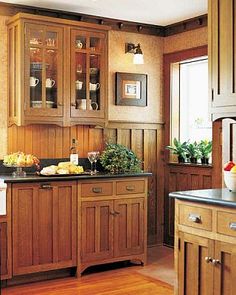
(189, 100)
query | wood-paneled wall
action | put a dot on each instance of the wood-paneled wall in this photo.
(49, 141)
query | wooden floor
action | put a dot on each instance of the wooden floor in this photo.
(125, 281)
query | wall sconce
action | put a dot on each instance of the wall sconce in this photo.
(136, 50)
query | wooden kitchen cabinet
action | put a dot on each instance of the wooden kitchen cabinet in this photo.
(129, 226)
(205, 249)
(222, 51)
(97, 230)
(52, 78)
(88, 83)
(44, 226)
(6, 241)
(113, 222)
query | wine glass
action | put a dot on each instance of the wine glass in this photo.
(91, 158)
(96, 157)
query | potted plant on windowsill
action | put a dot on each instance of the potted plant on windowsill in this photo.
(205, 149)
(193, 152)
(178, 149)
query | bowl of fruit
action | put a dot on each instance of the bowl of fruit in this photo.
(19, 161)
(230, 176)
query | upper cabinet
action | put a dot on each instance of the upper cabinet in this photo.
(57, 71)
(222, 58)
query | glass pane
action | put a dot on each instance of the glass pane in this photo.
(35, 82)
(95, 43)
(94, 83)
(80, 82)
(80, 42)
(36, 37)
(194, 119)
(51, 39)
(51, 82)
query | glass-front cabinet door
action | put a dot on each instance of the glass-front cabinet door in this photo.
(87, 74)
(43, 73)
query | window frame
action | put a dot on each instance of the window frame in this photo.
(169, 61)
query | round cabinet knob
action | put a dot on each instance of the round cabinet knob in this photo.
(73, 104)
(216, 262)
(208, 259)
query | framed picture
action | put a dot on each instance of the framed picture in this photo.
(131, 89)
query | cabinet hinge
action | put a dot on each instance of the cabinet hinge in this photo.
(212, 94)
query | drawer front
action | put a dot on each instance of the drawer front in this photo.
(130, 187)
(96, 189)
(226, 223)
(195, 217)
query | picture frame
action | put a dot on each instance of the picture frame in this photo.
(131, 89)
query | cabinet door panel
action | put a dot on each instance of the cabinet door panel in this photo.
(129, 226)
(97, 230)
(225, 272)
(66, 223)
(23, 201)
(195, 275)
(4, 248)
(44, 227)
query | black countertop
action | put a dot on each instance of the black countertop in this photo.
(222, 197)
(37, 178)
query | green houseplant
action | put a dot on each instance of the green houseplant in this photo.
(117, 158)
(193, 152)
(205, 149)
(179, 149)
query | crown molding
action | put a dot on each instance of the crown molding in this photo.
(115, 24)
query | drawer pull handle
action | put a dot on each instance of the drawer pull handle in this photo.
(194, 218)
(216, 262)
(208, 259)
(130, 188)
(114, 213)
(46, 186)
(97, 190)
(232, 225)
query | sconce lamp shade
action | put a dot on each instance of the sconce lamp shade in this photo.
(136, 50)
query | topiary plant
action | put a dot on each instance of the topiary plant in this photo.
(117, 158)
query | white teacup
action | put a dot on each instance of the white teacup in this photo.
(50, 83)
(78, 84)
(34, 81)
(94, 86)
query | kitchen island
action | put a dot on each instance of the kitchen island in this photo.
(205, 242)
(72, 222)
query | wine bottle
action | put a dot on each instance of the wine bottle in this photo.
(74, 156)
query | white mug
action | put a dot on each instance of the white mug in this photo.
(33, 81)
(82, 105)
(50, 83)
(78, 84)
(79, 44)
(94, 86)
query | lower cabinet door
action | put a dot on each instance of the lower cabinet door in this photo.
(97, 231)
(195, 271)
(44, 226)
(5, 270)
(129, 225)
(225, 269)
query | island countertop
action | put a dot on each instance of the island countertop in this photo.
(222, 197)
(98, 176)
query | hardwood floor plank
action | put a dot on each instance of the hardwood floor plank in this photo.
(118, 282)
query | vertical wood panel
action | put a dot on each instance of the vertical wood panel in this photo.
(124, 137)
(150, 164)
(137, 142)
